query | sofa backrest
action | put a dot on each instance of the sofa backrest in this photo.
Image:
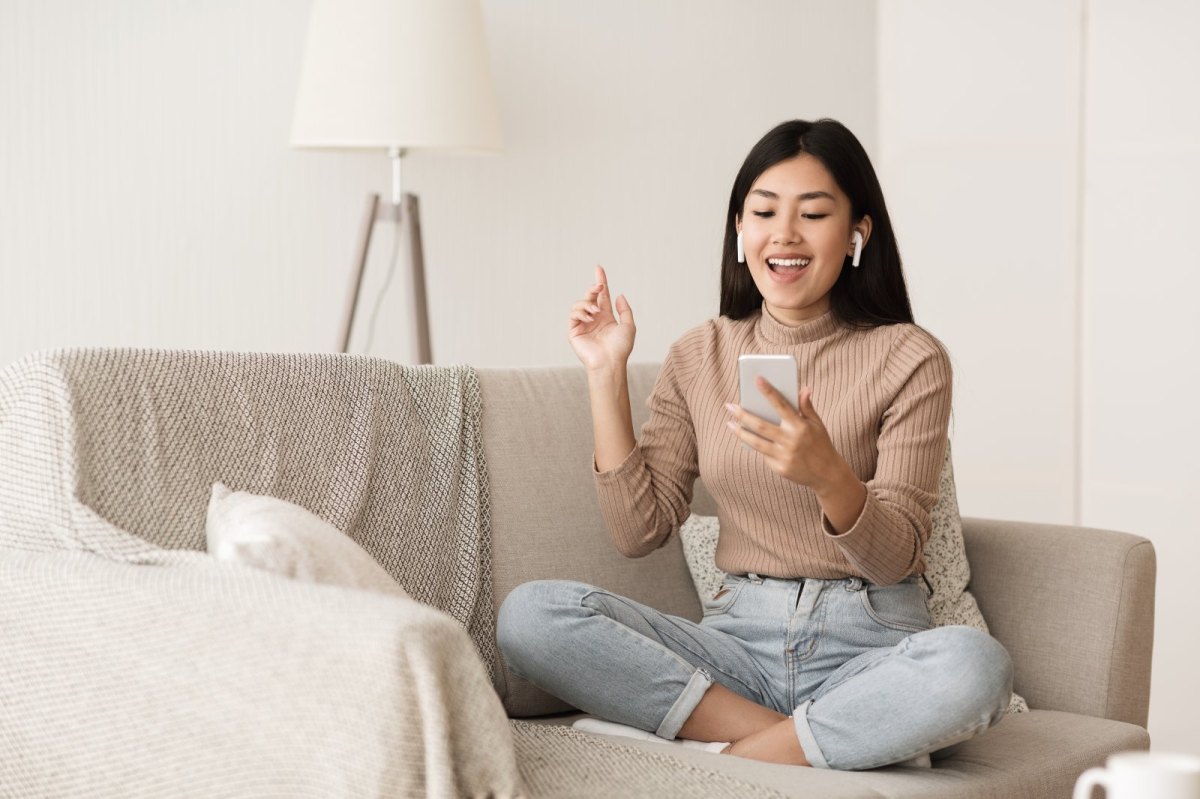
(546, 522)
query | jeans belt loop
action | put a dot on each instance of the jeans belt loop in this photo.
(754, 578)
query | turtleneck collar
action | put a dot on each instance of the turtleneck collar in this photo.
(775, 332)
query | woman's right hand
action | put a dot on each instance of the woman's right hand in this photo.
(601, 339)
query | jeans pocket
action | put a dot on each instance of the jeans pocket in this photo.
(902, 606)
(723, 600)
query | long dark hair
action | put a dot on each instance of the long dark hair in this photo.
(871, 295)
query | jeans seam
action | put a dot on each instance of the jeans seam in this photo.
(643, 639)
(636, 636)
(825, 688)
(709, 664)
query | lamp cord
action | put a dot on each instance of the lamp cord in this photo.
(387, 281)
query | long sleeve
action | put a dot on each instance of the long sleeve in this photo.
(646, 497)
(886, 541)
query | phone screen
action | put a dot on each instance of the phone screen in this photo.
(779, 371)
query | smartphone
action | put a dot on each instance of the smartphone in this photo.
(780, 371)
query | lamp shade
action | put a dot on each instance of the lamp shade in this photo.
(412, 74)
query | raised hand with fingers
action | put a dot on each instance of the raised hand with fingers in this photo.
(601, 338)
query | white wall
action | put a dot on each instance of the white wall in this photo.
(1141, 326)
(1041, 160)
(978, 154)
(625, 123)
(148, 196)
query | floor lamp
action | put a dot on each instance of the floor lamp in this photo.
(402, 76)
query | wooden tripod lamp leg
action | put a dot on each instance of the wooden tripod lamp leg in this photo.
(420, 324)
(356, 274)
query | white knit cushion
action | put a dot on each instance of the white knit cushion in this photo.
(945, 563)
(282, 537)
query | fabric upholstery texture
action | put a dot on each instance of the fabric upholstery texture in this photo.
(558, 761)
(1074, 607)
(209, 679)
(125, 629)
(281, 537)
(546, 521)
(1034, 754)
(114, 452)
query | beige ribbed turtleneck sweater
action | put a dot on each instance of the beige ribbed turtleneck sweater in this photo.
(884, 396)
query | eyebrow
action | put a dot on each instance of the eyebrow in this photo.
(808, 195)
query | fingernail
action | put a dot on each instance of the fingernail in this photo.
(731, 425)
(594, 308)
(729, 406)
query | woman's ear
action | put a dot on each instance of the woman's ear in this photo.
(862, 226)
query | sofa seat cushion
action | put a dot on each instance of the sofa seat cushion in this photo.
(1035, 754)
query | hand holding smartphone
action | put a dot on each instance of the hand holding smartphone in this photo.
(780, 371)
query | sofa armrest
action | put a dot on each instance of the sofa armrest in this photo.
(215, 679)
(1074, 606)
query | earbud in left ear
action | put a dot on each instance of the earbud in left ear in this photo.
(858, 245)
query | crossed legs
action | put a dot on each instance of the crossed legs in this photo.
(756, 732)
(625, 662)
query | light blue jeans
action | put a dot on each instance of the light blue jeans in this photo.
(857, 667)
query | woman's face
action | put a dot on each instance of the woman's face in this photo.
(796, 231)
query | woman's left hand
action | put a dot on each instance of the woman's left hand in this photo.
(799, 447)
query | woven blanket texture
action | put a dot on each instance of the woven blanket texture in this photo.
(200, 678)
(209, 679)
(114, 451)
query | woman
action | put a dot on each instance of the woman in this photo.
(817, 650)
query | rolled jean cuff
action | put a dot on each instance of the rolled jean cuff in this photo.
(812, 752)
(692, 693)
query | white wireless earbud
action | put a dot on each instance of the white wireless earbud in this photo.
(857, 248)
(741, 249)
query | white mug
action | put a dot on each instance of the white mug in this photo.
(1143, 775)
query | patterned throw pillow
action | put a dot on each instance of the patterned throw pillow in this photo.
(945, 560)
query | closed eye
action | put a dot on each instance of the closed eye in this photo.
(769, 214)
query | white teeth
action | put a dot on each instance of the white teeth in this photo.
(788, 261)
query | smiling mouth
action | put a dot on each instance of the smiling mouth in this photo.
(787, 266)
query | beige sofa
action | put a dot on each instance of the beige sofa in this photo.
(221, 652)
(1074, 606)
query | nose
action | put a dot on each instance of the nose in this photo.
(786, 230)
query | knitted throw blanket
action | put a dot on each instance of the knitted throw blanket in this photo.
(115, 451)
